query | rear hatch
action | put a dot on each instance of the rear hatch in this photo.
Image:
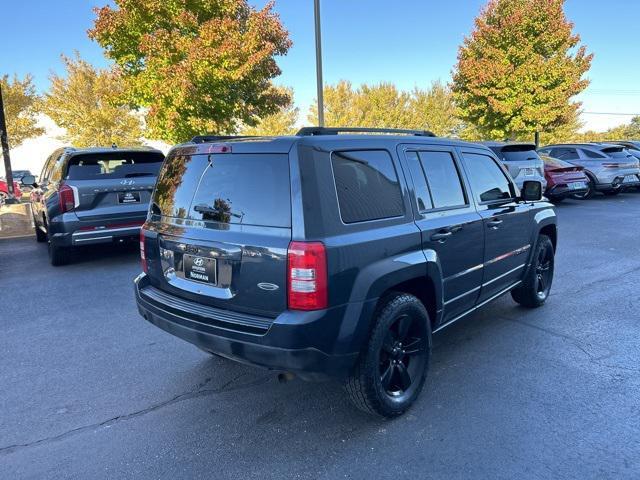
(223, 224)
(622, 162)
(113, 188)
(522, 160)
(564, 173)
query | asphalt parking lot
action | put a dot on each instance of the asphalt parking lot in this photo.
(90, 390)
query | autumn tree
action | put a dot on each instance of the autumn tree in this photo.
(197, 67)
(520, 68)
(20, 109)
(434, 109)
(383, 105)
(283, 122)
(86, 102)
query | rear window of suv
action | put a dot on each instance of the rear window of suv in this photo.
(247, 189)
(113, 165)
(518, 153)
(367, 185)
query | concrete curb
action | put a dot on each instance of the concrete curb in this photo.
(16, 221)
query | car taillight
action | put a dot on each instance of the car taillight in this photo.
(307, 276)
(66, 198)
(611, 165)
(143, 256)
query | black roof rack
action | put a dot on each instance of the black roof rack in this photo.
(311, 131)
(216, 138)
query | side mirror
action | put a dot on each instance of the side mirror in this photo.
(28, 181)
(531, 191)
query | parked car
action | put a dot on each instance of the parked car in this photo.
(92, 195)
(17, 176)
(4, 191)
(631, 145)
(563, 179)
(521, 159)
(610, 168)
(333, 255)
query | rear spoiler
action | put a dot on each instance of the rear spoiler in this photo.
(613, 149)
(518, 147)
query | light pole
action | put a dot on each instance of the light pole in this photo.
(316, 12)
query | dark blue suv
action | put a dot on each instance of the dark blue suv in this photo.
(328, 254)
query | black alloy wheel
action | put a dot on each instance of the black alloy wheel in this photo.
(402, 358)
(544, 271)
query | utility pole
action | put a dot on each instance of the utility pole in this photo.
(5, 152)
(316, 12)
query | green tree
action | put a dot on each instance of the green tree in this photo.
(385, 106)
(630, 131)
(434, 109)
(86, 103)
(283, 122)
(20, 109)
(198, 67)
(519, 69)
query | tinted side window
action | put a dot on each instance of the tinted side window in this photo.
(487, 179)
(443, 179)
(565, 153)
(423, 197)
(591, 154)
(367, 185)
(55, 174)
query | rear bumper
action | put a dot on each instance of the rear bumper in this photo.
(561, 191)
(67, 231)
(314, 345)
(617, 180)
(91, 237)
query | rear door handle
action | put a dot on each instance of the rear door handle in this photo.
(441, 236)
(494, 223)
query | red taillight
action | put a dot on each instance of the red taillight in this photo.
(66, 198)
(143, 256)
(307, 276)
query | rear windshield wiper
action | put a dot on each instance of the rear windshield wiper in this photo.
(217, 212)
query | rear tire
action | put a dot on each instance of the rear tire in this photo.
(589, 193)
(536, 286)
(392, 369)
(58, 255)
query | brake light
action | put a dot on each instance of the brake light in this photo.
(219, 148)
(307, 276)
(143, 256)
(66, 198)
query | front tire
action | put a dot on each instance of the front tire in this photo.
(41, 237)
(536, 286)
(391, 371)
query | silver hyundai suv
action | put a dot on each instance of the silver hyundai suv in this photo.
(610, 168)
(522, 161)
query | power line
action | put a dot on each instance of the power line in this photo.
(612, 113)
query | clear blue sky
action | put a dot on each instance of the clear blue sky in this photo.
(409, 42)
